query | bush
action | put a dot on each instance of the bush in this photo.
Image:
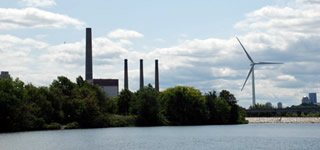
(121, 121)
(72, 125)
(53, 126)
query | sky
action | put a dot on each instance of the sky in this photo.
(195, 42)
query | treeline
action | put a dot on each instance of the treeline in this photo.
(303, 110)
(65, 104)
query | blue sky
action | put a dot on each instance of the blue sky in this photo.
(194, 42)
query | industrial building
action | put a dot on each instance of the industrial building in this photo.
(109, 86)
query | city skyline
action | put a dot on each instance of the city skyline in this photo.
(193, 41)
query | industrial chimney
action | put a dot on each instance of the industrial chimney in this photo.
(156, 75)
(126, 80)
(141, 74)
(88, 54)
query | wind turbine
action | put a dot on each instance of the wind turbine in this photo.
(251, 71)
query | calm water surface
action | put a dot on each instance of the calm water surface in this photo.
(242, 137)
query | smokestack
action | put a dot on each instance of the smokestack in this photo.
(126, 85)
(156, 75)
(141, 74)
(88, 54)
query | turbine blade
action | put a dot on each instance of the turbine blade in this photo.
(245, 51)
(267, 63)
(247, 77)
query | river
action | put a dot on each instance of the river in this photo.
(229, 137)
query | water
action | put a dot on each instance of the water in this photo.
(229, 137)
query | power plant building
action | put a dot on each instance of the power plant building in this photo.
(109, 86)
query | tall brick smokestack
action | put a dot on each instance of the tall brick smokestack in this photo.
(156, 84)
(141, 74)
(88, 54)
(126, 80)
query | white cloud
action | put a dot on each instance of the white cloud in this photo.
(297, 20)
(286, 78)
(11, 18)
(38, 3)
(18, 55)
(124, 34)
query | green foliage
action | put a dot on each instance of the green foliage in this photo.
(224, 109)
(148, 107)
(83, 105)
(260, 106)
(72, 125)
(53, 126)
(26, 107)
(183, 106)
(124, 100)
(121, 121)
(227, 96)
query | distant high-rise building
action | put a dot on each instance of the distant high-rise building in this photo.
(313, 98)
(305, 100)
(4, 74)
(279, 105)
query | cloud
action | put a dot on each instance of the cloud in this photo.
(308, 1)
(301, 19)
(124, 34)
(11, 18)
(38, 3)
(18, 55)
(286, 78)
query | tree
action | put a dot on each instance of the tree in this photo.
(11, 93)
(226, 95)
(183, 106)
(147, 107)
(124, 101)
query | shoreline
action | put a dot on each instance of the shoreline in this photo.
(283, 119)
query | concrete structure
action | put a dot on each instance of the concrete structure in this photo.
(109, 86)
(283, 119)
(88, 55)
(313, 98)
(280, 105)
(4, 74)
(126, 80)
(156, 84)
(141, 74)
(305, 100)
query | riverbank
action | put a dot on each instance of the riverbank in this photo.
(283, 119)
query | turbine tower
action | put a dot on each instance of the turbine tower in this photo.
(251, 71)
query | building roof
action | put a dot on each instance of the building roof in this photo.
(106, 82)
